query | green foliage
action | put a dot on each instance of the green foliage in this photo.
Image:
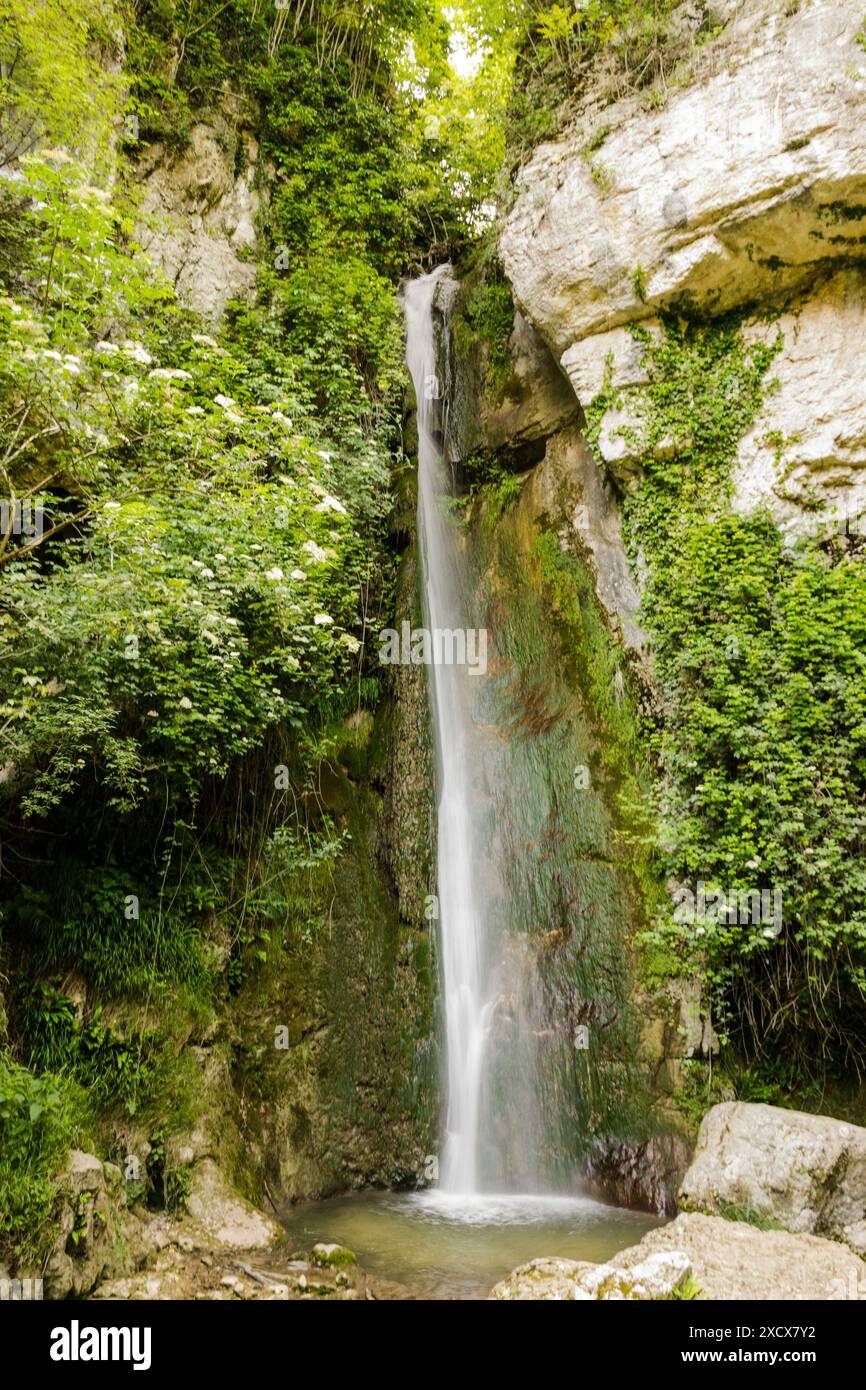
(214, 589)
(704, 391)
(761, 653)
(169, 1185)
(284, 907)
(687, 1291)
(195, 609)
(489, 314)
(764, 656)
(116, 1072)
(120, 957)
(498, 490)
(611, 47)
(40, 1118)
(742, 1211)
(54, 86)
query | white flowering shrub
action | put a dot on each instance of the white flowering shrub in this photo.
(203, 551)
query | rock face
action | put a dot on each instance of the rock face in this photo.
(537, 402)
(226, 1217)
(817, 413)
(97, 1238)
(748, 187)
(569, 492)
(197, 214)
(733, 1260)
(747, 178)
(806, 1172)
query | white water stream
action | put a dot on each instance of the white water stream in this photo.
(467, 999)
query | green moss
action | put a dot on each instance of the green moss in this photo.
(561, 696)
(353, 1097)
(333, 1257)
(484, 313)
(742, 1211)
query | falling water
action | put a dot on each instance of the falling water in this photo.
(467, 1004)
(533, 903)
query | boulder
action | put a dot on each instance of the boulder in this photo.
(224, 1216)
(805, 1172)
(660, 1275)
(97, 1237)
(735, 1260)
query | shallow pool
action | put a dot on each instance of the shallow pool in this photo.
(444, 1246)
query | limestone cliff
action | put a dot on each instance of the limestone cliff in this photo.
(198, 208)
(745, 191)
(735, 197)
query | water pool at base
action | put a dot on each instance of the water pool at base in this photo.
(444, 1246)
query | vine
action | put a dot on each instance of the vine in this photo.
(760, 650)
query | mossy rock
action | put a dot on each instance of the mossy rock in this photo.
(333, 1256)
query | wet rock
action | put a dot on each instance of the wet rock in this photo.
(644, 1175)
(567, 489)
(333, 1256)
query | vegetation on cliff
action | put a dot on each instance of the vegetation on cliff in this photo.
(197, 545)
(195, 551)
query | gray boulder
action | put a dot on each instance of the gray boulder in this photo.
(732, 1260)
(806, 1173)
(659, 1275)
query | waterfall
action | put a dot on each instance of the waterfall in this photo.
(467, 1002)
(534, 896)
